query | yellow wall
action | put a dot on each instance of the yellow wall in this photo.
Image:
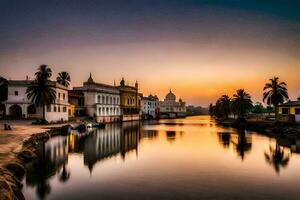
(71, 110)
(292, 109)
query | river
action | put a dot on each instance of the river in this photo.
(190, 158)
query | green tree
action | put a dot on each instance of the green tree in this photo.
(41, 92)
(275, 92)
(241, 103)
(64, 78)
(258, 108)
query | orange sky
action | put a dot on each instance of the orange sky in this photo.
(199, 51)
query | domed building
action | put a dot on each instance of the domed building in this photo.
(170, 108)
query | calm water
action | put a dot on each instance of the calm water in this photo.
(190, 158)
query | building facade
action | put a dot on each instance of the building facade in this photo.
(289, 111)
(130, 102)
(76, 101)
(101, 101)
(150, 107)
(18, 106)
(170, 108)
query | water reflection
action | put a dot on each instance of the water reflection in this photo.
(277, 157)
(199, 155)
(224, 139)
(171, 136)
(242, 143)
(51, 157)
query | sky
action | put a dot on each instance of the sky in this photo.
(199, 49)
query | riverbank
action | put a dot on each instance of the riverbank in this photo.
(18, 147)
(286, 134)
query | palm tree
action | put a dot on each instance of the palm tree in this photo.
(41, 92)
(64, 78)
(224, 105)
(241, 103)
(275, 93)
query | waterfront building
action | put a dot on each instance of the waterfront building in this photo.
(101, 101)
(18, 106)
(76, 101)
(170, 108)
(289, 111)
(150, 106)
(130, 101)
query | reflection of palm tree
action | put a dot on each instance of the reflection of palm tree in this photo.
(277, 158)
(243, 144)
(224, 138)
(65, 174)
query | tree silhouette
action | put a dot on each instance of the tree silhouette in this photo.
(41, 92)
(275, 92)
(64, 79)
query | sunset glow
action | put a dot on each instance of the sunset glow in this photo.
(200, 50)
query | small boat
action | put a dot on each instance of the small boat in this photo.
(99, 125)
(89, 125)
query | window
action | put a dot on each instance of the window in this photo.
(99, 111)
(110, 100)
(54, 108)
(58, 108)
(114, 100)
(106, 99)
(107, 111)
(103, 99)
(98, 100)
(128, 101)
(285, 111)
(297, 111)
(16, 93)
(48, 108)
(64, 96)
(64, 109)
(58, 95)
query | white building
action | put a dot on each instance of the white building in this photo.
(19, 106)
(150, 106)
(101, 101)
(170, 108)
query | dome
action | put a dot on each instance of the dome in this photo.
(170, 96)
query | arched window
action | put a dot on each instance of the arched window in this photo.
(110, 100)
(99, 111)
(103, 100)
(114, 100)
(98, 100)
(107, 111)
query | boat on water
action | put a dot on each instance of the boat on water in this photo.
(99, 125)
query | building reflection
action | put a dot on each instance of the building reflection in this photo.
(277, 157)
(150, 134)
(114, 140)
(52, 156)
(171, 135)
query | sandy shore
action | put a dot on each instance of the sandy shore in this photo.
(11, 141)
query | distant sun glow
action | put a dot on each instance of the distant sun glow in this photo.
(199, 50)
